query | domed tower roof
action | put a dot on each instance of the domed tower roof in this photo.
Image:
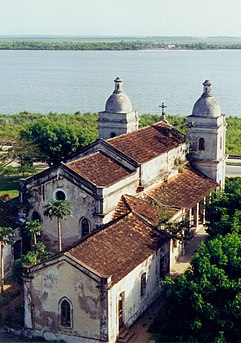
(118, 102)
(206, 105)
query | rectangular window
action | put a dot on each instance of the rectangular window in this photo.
(143, 284)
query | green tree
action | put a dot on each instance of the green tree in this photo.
(33, 228)
(59, 209)
(6, 237)
(223, 209)
(204, 303)
(56, 136)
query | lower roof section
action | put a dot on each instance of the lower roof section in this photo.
(184, 190)
(119, 247)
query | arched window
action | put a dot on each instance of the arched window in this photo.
(60, 195)
(65, 313)
(201, 144)
(85, 227)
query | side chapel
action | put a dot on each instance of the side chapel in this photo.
(120, 188)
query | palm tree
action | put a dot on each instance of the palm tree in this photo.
(34, 227)
(6, 237)
(59, 209)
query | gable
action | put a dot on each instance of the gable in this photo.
(57, 262)
(56, 173)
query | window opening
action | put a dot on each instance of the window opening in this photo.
(65, 313)
(113, 134)
(201, 145)
(85, 227)
(143, 284)
(60, 195)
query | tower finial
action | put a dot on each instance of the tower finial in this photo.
(207, 88)
(163, 115)
(118, 85)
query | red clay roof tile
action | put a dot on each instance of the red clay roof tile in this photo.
(120, 247)
(151, 141)
(99, 169)
(144, 206)
(184, 190)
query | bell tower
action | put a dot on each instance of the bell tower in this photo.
(119, 116)
(207, 136)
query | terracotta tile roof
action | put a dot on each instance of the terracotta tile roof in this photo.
(149, 142)
(143, 206)
(184, 190)
(118, 248)
(122, 208)
(99, 169)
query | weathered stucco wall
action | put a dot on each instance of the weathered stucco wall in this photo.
(134, 304)
(157, 169)
(113, 194)
(82, 205)
(59, 281)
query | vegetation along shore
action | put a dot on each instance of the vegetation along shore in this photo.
(118, 43)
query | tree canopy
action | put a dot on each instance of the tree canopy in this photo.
(57, 137)
(224, 209)
(203, 305)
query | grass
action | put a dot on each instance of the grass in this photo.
(9, 183)
(9, 186)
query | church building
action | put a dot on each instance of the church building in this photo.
(123, 190)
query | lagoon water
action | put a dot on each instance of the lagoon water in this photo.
(68, 81)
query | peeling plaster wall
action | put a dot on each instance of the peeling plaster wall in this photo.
(134, 304)
(49, 286)
(82, 205)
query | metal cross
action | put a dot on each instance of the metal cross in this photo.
(163, 106)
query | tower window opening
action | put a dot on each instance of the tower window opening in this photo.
(221, 143)
(113, 134)
(201, 144)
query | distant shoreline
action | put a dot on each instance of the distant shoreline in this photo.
(118, 44)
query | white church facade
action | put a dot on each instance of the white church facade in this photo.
(115, 246)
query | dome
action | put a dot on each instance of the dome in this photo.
(118, 102)
(206, 105)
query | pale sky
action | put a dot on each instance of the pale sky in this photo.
(121, 17)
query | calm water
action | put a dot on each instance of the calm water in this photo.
(68, 81)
